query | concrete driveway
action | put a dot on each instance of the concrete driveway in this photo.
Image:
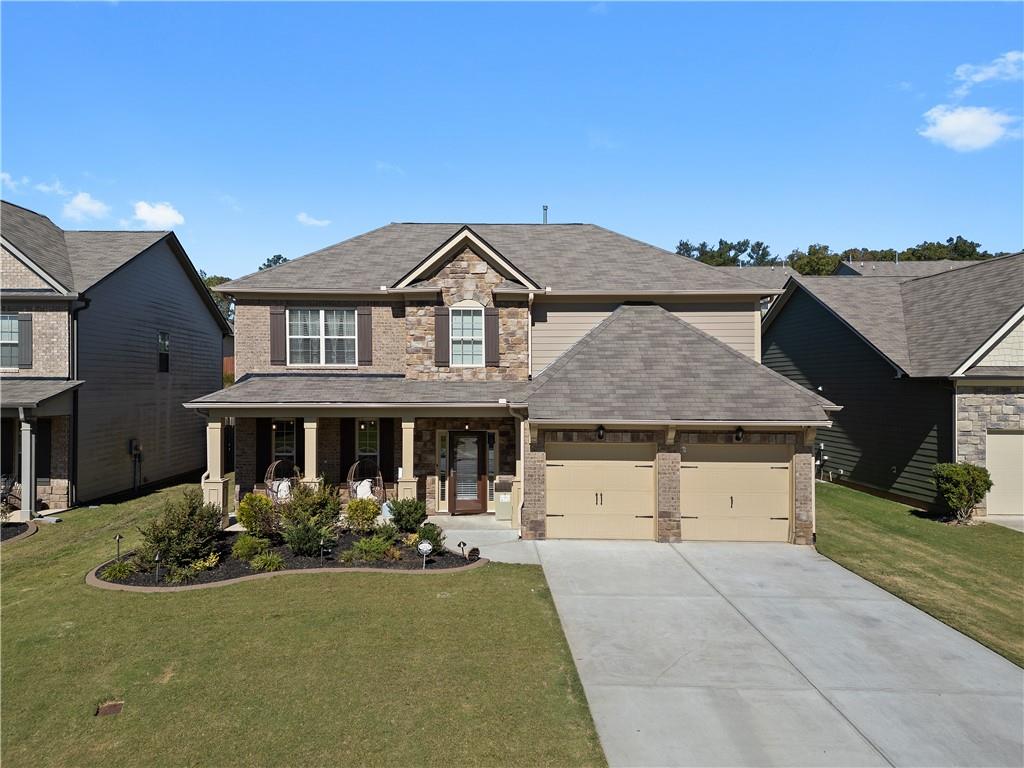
(770, 654)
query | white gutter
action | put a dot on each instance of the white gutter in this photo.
(352, 406)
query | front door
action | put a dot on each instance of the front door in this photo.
(468, 473)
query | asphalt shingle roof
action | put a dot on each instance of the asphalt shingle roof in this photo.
(901, 269)
(769, 276)
(39, 239)
(30, 392)
(567, 257)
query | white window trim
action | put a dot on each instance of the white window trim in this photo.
(376, 453)
(14, 344)
(462, 306)
(323, 338)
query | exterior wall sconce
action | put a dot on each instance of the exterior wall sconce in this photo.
(738, 435)
(600, 432)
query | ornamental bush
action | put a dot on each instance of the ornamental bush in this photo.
(257, 515)
(183, 532)
(303, 538)
(362, 514)
(319, 502)
(433, 534)
(268, 561)
(119, 570)
(246, 547)
(371, 549)
(408, 514)
(963, 487)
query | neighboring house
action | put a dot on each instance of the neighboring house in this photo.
(229, 356)
(767, 276)
(103, 335)
(614, 386)
(927, 369)
(898, 268)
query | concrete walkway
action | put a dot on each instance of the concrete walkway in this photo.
(1015, 522)
(751, 654)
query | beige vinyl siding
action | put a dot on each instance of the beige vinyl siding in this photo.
(1009, 351)
(557, 326)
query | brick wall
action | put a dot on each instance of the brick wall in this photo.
(15, 275)
(50, 339)
(247, 473)
(55, 493)
(980, 409)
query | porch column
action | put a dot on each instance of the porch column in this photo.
(215, 485)
(407, 481)
(28, 470)
(309, 471)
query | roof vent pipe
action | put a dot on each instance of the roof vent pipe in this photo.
(545, 213)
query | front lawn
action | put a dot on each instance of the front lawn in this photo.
(307, 670)
(971, 578)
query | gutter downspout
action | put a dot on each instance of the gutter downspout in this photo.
(529, 335)
(81, 304)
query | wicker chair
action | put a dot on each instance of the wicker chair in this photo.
(281, 476)
(365, 479)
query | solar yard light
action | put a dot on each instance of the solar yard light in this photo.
(424, 548)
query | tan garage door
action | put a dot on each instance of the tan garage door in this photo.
(1004, 458)
(600, 491)
(735, 492)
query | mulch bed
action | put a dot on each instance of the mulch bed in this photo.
(10, 530)
(230, 568)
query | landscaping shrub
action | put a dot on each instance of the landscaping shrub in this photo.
(268, 561)
(361, 514)
(182, 533)
(246, 547)
(387, 531)
(371, 549)
(433, 534)
(308, 502)
(963, 487)
(408, 514)
(392, 553)
(207, 563)
(178, 575)
(257, 515)
(119, 570)
(303, 538)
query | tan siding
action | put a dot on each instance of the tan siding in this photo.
(125, 396)
(14, 275)
(557, 326)
(1008, 352)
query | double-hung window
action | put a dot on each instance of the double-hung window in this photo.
(284, 439)
(321, 337)
(8, 341)
(467, 337)
(163, 346)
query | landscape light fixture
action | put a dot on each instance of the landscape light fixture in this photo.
(117, 539)
(424, 548)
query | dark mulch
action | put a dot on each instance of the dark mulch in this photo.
(10, 530)
(230, 568)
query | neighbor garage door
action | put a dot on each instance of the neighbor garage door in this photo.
(1004, 459)
(735, 492)
(600, 491)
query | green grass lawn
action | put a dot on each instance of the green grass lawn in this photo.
(971, 578)
(305, 670)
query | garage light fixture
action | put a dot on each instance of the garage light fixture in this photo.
(738, 435)
(600, 432)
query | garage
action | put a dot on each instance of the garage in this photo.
(735, 492)
(600, 490)
(1004, 457)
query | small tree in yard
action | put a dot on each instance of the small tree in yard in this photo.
(963, 487)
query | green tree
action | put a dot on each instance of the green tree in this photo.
(273, 261)
(760, 255)
(725, 254)
(818, 259)
(958, 248)
(224, 304)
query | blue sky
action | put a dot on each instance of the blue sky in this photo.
(282, 128)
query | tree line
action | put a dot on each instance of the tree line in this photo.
(820, 259)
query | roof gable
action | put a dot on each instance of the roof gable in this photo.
(448, 250)
(94, 255)
(39, 240)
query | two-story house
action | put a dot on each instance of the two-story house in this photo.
(102, 336)
(615, 385)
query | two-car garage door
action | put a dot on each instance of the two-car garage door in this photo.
(727, 492)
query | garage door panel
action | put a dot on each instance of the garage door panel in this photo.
(597, 526)
(735, 529)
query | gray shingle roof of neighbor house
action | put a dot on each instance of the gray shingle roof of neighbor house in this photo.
(94, 255)
(359, 389)
(643, 364)
(38, 238)
(767, 276)
(565, 257)
(899, 269)
(30, 392)
(927, 326)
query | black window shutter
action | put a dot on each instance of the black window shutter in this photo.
(264, 447)
(25, 340)
(278, 348)
(7, 437)
(348, 446)
(490, 335)
(43, 448)
(300, 446)
(364, 333)
(386, 448)
(442, 330)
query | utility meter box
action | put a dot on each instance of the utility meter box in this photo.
(502, 499)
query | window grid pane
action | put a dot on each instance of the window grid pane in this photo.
(9, 329)
(366, 439)
(9, 356)
(284, 439)
(467, 337)
(340, 351)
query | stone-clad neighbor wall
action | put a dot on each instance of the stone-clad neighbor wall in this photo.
(980, 409)
(50, 339)
(54, 494)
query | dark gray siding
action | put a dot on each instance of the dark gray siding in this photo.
(891, 431)
(125, 397)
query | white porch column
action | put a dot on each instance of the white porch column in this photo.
(28, 471)
(215, 485)
(407, 482)
(309, 471)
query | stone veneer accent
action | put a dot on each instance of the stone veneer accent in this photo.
(50, 339)
(55, 493)
(667, 473)
(980, 409)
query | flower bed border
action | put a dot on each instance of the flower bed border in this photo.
(32, 528)
(93, 580)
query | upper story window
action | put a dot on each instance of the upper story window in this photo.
(321, 337)
(163, 346)
(467, 336)
(8, 341)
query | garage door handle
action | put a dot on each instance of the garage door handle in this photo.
(602, 499)
(730, 502)
(644, 466)
(778, 518)
(644, 517)
(595, 500)
(550, 515)
(780, 467)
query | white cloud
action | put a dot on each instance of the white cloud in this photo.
(54, 188)
(84, 206)
(9, 182)
(307, 220)
(1009, 66)
(389, 169)
(158, 215)
(966, 129)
